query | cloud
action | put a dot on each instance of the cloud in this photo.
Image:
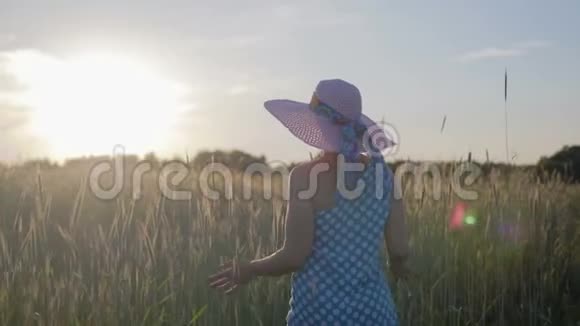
(533, 44)
(239, 89)
(7, 38)
(8, 82)
(518, 49)
(242, 41)
(307, 15)
(283, 21)
(490, 53)
(12, 117)
(16, 141)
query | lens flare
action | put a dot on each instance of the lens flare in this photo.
(456, 220)
(462, 216)
(470, 220)
(513, 232)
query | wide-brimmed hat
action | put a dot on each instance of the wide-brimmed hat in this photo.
(321, 123)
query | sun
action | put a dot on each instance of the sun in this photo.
(90, 103)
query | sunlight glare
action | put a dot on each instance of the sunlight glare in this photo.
(90, 103)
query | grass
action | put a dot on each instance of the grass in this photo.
(68, 258)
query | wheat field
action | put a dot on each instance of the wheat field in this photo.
(69, 258)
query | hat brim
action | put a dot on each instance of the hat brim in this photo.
(318, 131)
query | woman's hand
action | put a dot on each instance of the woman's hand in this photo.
(231, 275)
(298, 239)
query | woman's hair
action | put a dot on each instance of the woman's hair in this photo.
(318, 155)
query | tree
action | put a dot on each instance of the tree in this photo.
(565, 163)
(233, 159)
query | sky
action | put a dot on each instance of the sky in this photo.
(176, 77)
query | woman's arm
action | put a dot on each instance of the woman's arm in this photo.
(299, 232)
(299, 235)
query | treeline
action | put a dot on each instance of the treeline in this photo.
(235, 159)
(564, 164)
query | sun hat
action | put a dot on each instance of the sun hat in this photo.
(332, 121)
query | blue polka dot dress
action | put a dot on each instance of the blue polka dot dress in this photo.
(342, 282)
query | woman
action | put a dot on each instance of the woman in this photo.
(333, 233)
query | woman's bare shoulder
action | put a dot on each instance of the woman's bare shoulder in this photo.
(300, 172)
(300, 175)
